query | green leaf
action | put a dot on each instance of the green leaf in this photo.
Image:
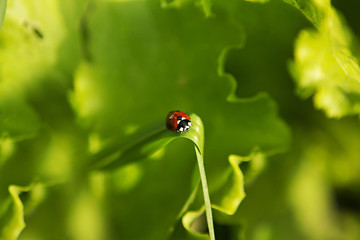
(12, 214)
(325, 67)
(12, 210)
(192, 220)
(125, 84)
(228, 196)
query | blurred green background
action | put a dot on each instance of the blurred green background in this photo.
(275, 83)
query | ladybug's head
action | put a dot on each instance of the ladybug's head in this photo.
(183, 125)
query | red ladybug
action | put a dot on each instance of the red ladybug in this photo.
(178, 121)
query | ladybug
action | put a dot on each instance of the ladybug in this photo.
(178, 121)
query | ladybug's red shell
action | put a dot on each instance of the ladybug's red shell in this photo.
(178, 121)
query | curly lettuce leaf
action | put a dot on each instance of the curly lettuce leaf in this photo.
(324, 64)
(140, 61)
(13, 209)
(122, 69)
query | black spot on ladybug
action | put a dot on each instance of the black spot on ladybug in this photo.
(179, 118)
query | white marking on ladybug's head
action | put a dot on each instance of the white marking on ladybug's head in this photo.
(178, 121)
(189, 123)
(181, 129)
